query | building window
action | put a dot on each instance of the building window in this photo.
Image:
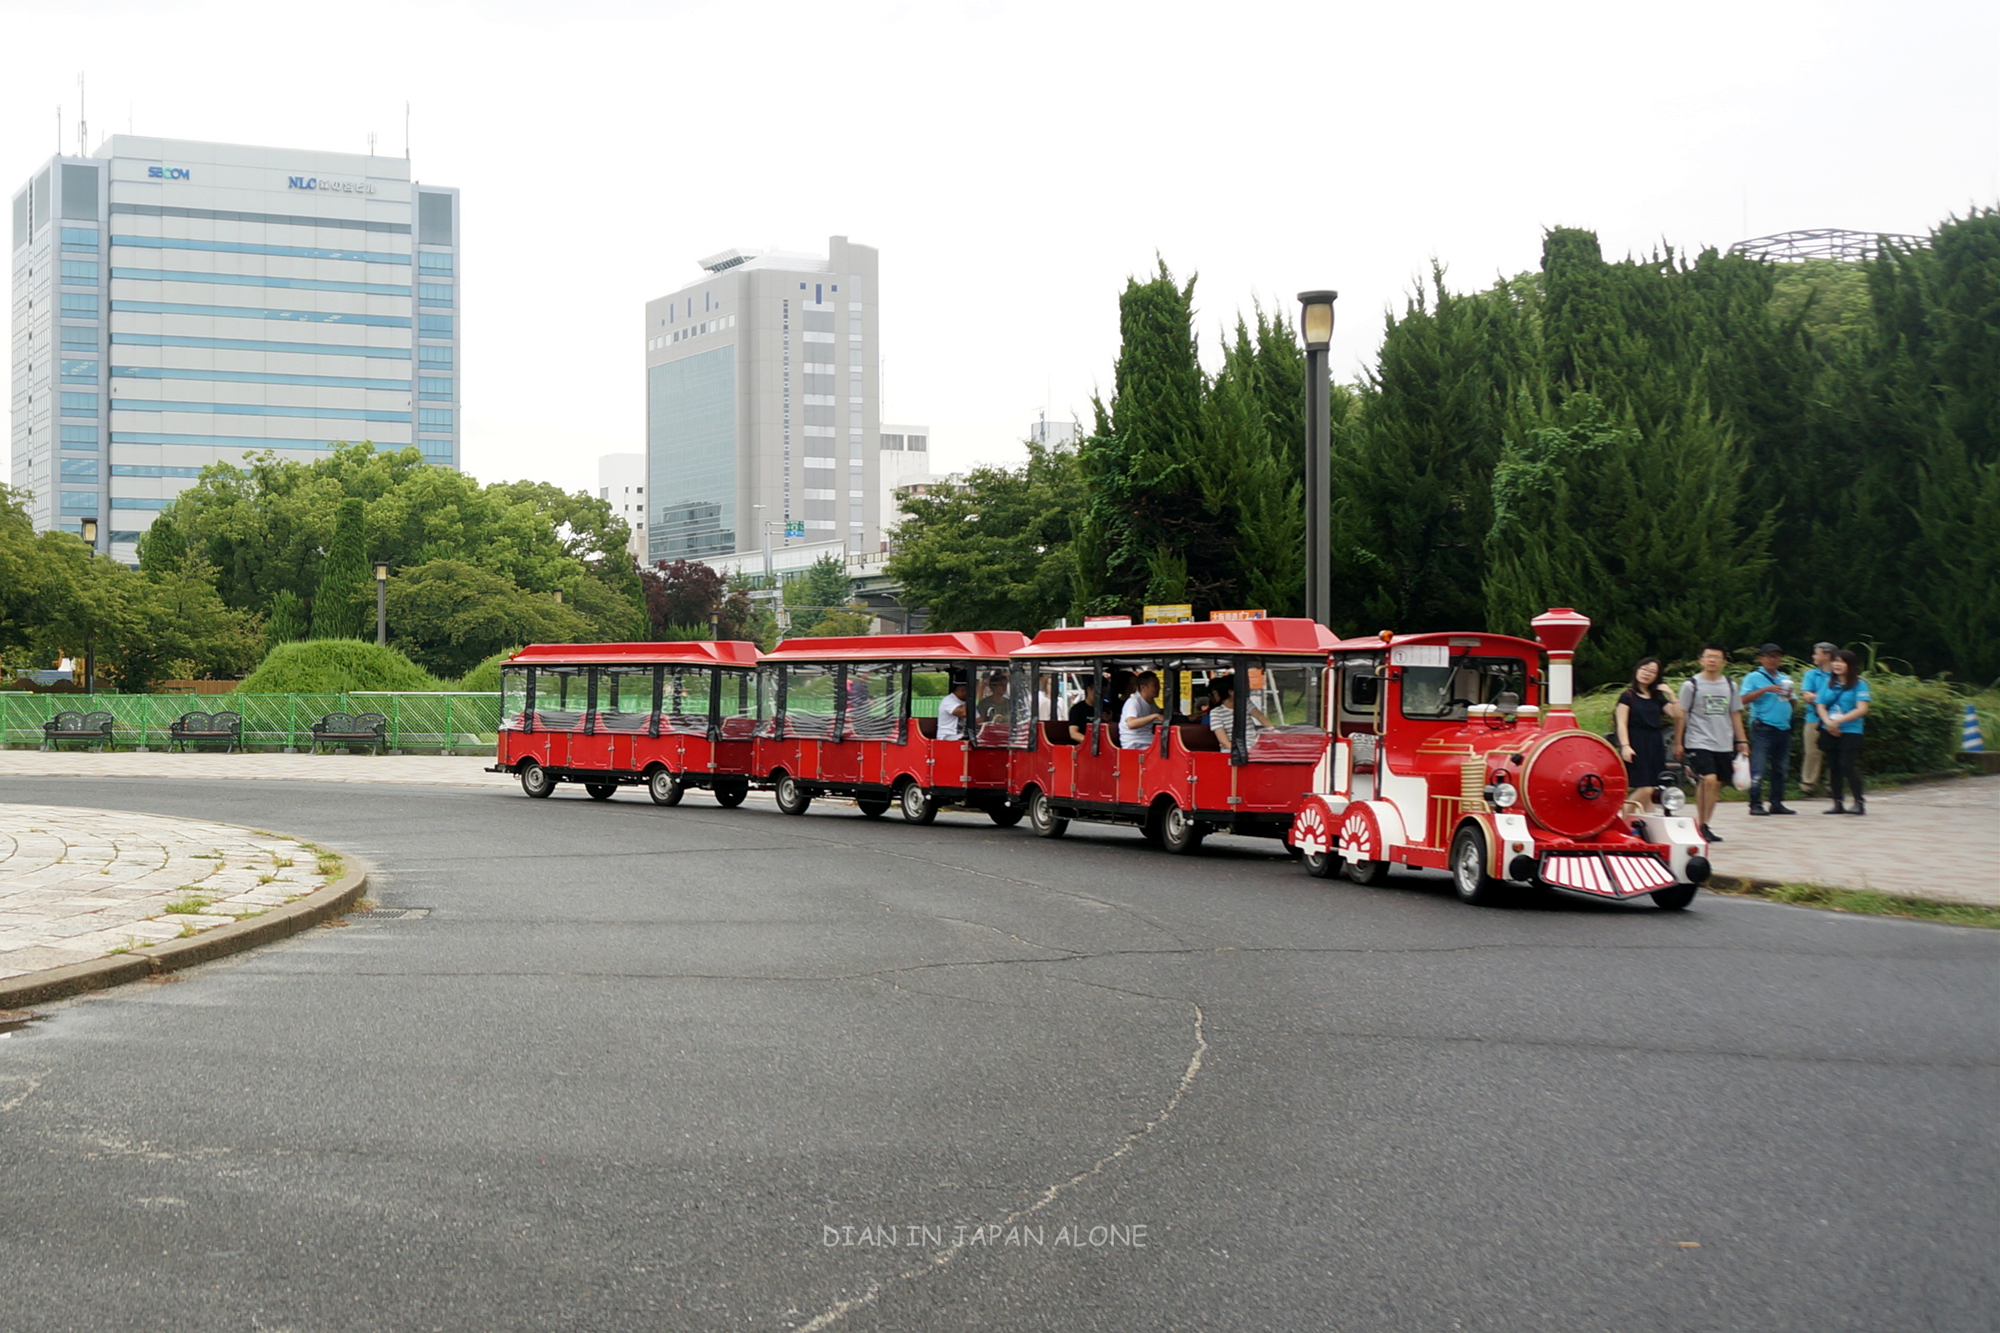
(132, 502)
(433, 263)
(124, 536)
(920, 443)
(430, 388)
(82, 469)
(250, 248)
(77, 337)
(79, 405)
(80, 238)
(438, 324)
(148, 470)
(79, 502)
(434, 416)
(80, 437)
(434, 293)
(79, 305)
(79, 372)
(434, 356)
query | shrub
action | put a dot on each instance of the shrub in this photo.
(1913, 725)
(334, 666)
(486, 676)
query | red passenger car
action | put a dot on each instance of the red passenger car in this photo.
(916, 720)
(1235, 748)
(1449, 754)
(668, 715)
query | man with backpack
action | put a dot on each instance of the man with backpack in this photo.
(1708, 734)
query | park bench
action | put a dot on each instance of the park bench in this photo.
(370, 729)
(73, 725)
(190, 727)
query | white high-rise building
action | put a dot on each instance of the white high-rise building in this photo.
(621, 480)
(178, 304)
(762, 405)
(905, 459)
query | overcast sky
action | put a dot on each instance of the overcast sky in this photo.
(1016, 162)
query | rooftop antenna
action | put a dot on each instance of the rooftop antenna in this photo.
(371, 143)
(58, 129)
(82, 125)
(406, 131)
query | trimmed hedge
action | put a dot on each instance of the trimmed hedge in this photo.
(486, 676)
(335, 666)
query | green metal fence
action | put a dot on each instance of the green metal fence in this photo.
(427, 723)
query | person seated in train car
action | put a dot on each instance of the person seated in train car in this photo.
(1222, 718)
(1083, 711)
(953, 710)
(1140, 713)
(993, 702)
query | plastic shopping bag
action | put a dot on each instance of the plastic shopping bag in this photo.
(1739, 773)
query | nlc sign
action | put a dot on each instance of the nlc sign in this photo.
(326, 183)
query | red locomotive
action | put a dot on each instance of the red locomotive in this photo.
(1449, 755)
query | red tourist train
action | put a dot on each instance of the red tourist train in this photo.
(1433, 751)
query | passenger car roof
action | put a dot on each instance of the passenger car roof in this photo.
(1288, 634)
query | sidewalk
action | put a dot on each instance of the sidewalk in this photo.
(79, 884)
(1940, 840)
(427, 769)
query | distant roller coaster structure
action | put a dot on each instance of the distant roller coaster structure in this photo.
(1851, 247)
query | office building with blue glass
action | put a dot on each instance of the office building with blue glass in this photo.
(178, 304)
(762, 406)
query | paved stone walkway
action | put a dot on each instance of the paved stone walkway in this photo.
(1940, 840)
(77, 884)
(426, 769)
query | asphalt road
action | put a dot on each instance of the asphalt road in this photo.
(690, 1069)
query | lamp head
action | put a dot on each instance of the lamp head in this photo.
(1316, 319)
(381, 571)
(90, 532)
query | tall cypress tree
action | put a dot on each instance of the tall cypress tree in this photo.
(338, 611)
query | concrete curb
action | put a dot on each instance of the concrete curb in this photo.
(120, 969)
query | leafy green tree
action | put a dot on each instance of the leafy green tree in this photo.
(344, 578)
(996, 552)
(288, 622)
(448, 615)
(821, 585)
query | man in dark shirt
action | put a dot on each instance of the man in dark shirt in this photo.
(1083, 712)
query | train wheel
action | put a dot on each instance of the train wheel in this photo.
(1006, 816)
(792, 798)
(1368, 873)
(874, 809)
(664, 787)
(1468, 869)
(1179, 833)
(1042, 816)
(919, 806)
(600, 791)
(537, 781)
(1321, 865)
(731, 796)
(1676, 898)
(1155, 820)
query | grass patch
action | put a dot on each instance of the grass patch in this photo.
(245, 916)
(1869, 902)
(329, 865)
(189, 906)
(188, 930)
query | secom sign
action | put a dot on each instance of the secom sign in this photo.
(325, 183)
(169, 173)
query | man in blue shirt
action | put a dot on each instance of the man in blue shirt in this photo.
(1767, 695)
(1809, 688)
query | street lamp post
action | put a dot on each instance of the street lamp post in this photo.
(382, 603)
(89, 639)
(1316, 324)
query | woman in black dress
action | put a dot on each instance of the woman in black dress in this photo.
(1644, 713)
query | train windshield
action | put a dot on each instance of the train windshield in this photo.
(1443, 693)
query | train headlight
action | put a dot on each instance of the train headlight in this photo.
(1504, 795)
(1672, 799)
